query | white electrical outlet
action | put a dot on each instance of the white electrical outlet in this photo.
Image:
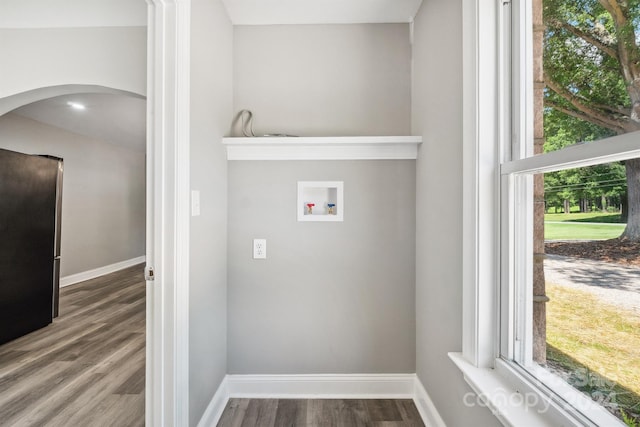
(259, 248)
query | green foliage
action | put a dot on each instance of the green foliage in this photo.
(562, 130)
(591, 62)
(590, 183)
(577, 38)
(629, 420)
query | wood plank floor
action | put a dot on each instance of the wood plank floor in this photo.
(86, 368)
(320, 413)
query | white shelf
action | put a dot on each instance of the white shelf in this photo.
(323, 148)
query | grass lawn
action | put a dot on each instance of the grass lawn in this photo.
(581, 231)
(584, 217)
(586, 335)
(582, 226)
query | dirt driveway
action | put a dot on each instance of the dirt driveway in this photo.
(613, 283)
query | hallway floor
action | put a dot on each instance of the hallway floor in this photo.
(88, 366)
(320, 413)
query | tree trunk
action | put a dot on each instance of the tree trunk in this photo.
(632, 231)
(584, 205)
(567, 206)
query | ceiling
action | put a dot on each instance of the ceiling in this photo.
(107, 13)
(111, 118)
(271, 12)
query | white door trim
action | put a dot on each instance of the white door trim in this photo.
(168, 151)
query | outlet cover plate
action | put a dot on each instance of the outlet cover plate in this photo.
(259, 248)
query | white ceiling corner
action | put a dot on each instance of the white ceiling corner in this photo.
(272, 12)
(88, 13)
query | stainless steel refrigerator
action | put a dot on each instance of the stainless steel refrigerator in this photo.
(30, 208)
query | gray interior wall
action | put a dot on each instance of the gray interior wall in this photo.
(331, 297)
(72, 13)
(437, 116)
(319, 80)
(33, 58)
(211, 106)
(103, 206)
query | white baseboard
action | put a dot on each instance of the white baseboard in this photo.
(353, 386)
(373, 386)
(425, 406)
(215, 408)
(97, 272)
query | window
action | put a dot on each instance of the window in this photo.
(581, 96)
(579, 346)
(504, 173)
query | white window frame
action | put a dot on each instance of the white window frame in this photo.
(497, 183)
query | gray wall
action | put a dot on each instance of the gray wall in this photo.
(437, 116)
(103, 208)
(211, 99)
(331, 297)
(317, 80)
(113, 57)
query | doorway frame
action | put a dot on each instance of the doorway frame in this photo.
(168, 183)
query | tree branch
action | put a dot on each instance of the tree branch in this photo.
(582, 116)
(625, 112)
(615, 9)
(628, 51)
(589, 38)
(591, 113)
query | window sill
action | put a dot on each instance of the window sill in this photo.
(517, 401)
(323, 148)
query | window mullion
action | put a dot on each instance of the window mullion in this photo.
(522, 265)
(522, 81)
(507, 282)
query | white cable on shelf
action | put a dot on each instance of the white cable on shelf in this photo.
(249, 122)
